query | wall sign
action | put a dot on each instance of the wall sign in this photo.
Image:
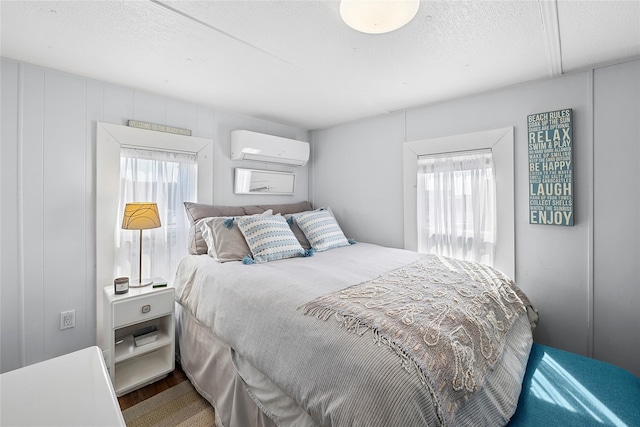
(158, 128)
(550, 168)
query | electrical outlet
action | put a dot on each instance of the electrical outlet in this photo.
(67, 319)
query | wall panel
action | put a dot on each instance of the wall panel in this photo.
(617, 215)
(95, 112)
(63, 212)
(176, 113)
(11, 338)
(149, 107)
(117, 104)
(32, 146)
(357, 172)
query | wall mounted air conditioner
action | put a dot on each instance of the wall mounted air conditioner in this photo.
(247, 145)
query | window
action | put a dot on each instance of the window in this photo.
(456, 205)
(169, 179)
(500, 143)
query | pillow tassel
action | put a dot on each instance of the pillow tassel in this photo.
(228, 222)
(352, 241)
(309, 252)
(248, 260)
(290, 220)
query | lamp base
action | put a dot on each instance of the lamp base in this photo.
(136, 283)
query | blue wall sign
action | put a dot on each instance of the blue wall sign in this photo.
(550, 168)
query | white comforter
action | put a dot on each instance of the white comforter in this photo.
(338, 378)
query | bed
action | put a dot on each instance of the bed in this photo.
(347, 333)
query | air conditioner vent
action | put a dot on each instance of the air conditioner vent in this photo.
(247, 145)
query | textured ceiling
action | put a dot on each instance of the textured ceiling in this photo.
(297, 63)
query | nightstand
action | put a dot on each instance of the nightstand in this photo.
(130, 366)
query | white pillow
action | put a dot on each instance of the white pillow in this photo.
(321, 229)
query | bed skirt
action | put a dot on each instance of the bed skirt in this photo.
(208, 364)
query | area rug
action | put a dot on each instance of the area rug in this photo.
(180, 405)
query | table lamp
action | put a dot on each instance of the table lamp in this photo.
(140, 216)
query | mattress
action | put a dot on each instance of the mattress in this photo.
(300, 370)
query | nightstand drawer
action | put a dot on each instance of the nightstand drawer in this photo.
(134, 310)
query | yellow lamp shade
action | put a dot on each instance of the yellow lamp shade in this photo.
(140, 216)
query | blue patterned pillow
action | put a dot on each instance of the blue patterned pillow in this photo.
(321, 229)
(269, 238)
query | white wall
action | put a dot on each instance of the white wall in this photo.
(588, 296)
(617, 215)
(47, 183)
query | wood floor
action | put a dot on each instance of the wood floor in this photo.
(137, 396)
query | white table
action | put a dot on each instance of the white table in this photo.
(70, 390)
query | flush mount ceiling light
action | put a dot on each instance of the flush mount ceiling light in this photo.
(378, 16)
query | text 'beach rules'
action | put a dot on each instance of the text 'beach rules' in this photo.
(550, 141)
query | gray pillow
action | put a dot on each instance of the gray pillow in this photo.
(286, 209)
(224, 244)
(198, 211)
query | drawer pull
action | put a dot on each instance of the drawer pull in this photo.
(146, 308)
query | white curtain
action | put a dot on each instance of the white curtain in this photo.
(457, 205)
(169, 179)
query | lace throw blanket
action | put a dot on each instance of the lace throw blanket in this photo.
(445, 318)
